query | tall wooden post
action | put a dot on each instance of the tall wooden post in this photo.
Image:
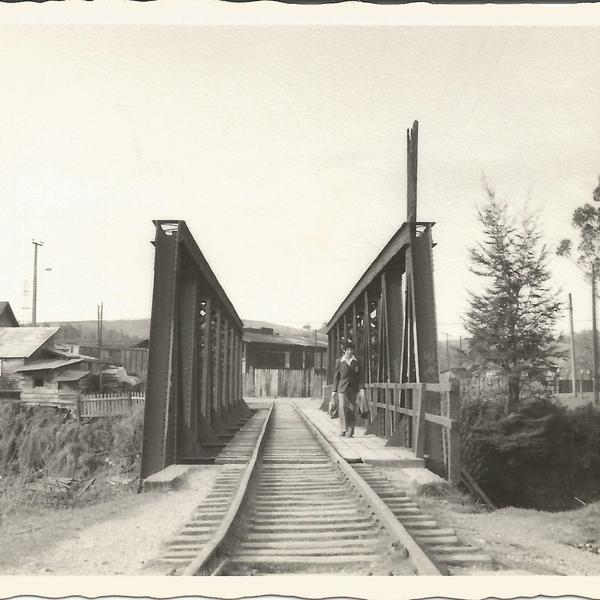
(573, 372)
(454, 467)
(412, 145)
(594, 341)
(34, 297)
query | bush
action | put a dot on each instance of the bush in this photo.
(541, 456)
(39, 445)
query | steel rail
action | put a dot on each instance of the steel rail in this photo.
(209, 551)
(423, 564)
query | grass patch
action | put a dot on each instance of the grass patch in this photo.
(442, 491)
(49, 460)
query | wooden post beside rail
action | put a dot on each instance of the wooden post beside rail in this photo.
(419, 429)
(454, 433)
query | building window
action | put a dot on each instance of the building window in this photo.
(309, 359)
(295, 360)
(38, 382)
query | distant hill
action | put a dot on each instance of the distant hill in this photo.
(120, 332)
(284, 330)
(125, 332)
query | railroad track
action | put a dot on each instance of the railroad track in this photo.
(285, 502)
(297, 507)
(303, 516)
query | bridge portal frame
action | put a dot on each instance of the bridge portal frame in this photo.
(194, 387)
(390, 317)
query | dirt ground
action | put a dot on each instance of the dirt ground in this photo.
(117, 537)
(121, 536)
(525, 541)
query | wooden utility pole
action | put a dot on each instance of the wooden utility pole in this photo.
(100, 309)
(34, 297)
(573, 373)
(594, 341)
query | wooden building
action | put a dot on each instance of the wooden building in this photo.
(33, 371)
(55, 382)
(283, 361)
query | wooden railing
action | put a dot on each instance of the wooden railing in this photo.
(107, 405)
(399, 413)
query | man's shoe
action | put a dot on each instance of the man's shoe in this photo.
(342, 434)
(350, 435)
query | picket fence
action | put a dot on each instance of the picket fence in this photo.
(108, 405)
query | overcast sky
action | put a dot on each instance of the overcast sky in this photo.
(284, 149)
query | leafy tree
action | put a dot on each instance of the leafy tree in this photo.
(586, 219)
(512, 322)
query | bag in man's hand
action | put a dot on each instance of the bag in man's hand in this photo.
(363, 405)
(333, 407)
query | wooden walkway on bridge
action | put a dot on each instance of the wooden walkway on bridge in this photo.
(369, 449)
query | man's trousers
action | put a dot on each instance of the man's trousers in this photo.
(347, 408)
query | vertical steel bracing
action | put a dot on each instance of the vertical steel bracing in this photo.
(193, 391)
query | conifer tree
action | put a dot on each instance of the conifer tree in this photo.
(512, 321)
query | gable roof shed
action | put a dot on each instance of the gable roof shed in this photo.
(22, 342)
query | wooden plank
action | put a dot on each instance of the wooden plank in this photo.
(400, 409)
(454, 466)
(418, 396)
(472, 484)
(431, 387)
(441, 420)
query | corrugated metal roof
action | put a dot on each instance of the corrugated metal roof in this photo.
(44, 365)
(266, 338)
(22, 342)
(71, 375)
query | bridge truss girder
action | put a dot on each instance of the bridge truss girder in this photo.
(390, 317)
(194, 387)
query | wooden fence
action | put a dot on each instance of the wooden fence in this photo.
(565, 386)
(399, 413)
(108, 405)
(284, 383)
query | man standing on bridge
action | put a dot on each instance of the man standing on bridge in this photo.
(347, 380)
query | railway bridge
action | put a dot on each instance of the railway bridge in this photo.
(290, 495)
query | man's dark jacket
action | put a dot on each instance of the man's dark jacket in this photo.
(347, 377)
